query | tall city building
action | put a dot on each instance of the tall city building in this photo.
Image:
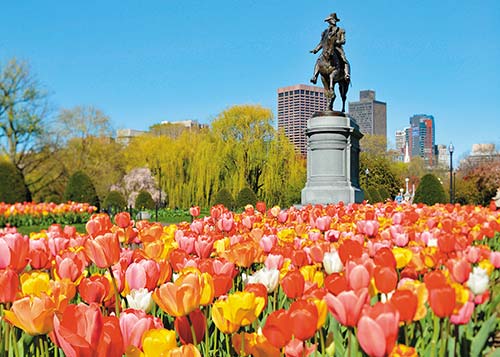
(370, 114)
(402, 144)
(296, 104)
(443, 155)
(422, 138)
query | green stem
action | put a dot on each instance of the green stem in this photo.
(322, 340)
(274, 299)
(435, 335)
(228, 350)
(405, 331)
(193, 333)
(444, 338)
(207, 341)
(117, 294)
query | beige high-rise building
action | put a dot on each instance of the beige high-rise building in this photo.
(369, 114)
(296, 104)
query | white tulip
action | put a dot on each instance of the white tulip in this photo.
(478, 281)
(268, 277)
(140, 299)
(332, 262)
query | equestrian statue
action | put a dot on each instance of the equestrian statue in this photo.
(332, 64)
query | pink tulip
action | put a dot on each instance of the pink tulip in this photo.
(495, 259)
(323, 223)
(197, 226)
(464, 314)
(282, 216)
(134, 323)
(39, 254)
(297, 348)
(19, 249)
(4, 254)
(378, 329)
(274, 261)
(203, 246)
(401, 239)
(346, 307)
(69, 268)
(58, 244)
(358, 276)
(142, 274)
(332, 235)
(267, 242)
(459, 270)
(186, 243)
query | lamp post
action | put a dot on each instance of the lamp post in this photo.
(451, 149)
(407, 195)
(367, 173)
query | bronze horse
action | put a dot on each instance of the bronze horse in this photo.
(331, 69)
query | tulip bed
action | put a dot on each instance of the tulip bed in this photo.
(31, 213)
(358, 279)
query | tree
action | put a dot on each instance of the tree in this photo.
(430, 191)
(23, 112)
(248, 130)
(12, 187)
(381, 174)
(81, 189)
(115, 200)
(144, 201)
(375, 145)
(86, 135)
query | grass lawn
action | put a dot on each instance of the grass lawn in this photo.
(80, 227)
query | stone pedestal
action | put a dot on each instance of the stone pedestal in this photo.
(332, 160)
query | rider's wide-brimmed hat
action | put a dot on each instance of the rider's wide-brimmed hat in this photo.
(332, 16)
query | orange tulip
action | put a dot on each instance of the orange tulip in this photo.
(9, 281)
(184, 351)
(32, 314)
(303, 319)
(181, 297)
(103, 250)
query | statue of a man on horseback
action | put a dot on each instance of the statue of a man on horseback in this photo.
(332, 64)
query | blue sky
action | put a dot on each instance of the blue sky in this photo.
(142, 62)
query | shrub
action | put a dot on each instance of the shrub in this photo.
(12, 186)
(374, 195)
(115, 201)
(246, 196)
(430, 191)
(367, 197)
(384, 194)
(225, 198)
(144, 200)
(81, 189)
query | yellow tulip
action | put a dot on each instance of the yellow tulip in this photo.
(310, 273)
(156, 342)
(207, 289)
(487, 266)
(403, 256)
(35, 283)
(238, 309)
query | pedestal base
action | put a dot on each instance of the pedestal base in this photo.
(332, 160)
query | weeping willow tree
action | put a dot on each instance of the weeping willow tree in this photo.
(242, 149)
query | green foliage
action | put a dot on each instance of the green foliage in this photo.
(115, 201)
(382, 174)
(367, 197)
(12, 186)
(430, 191)
(374, 195)
(81, 189)
(144, 201)
(246, 196)
(384, 194)
(225, 198)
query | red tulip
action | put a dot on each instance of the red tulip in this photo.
(258, 289)
(39, 254)
(194, 211)
(19, 249)
(386, 279)
(378, 329)
(293, 284)
(277, 328)
(385, 257)
(406, 303)
(9, 282)
(346, 307)
(442, 300)
(94, 289)
(350, 250)
(81, 330)
(122, 219)
(303, 319)
(103, 250)
(336, 283)
(183, 327)
(260, 206)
